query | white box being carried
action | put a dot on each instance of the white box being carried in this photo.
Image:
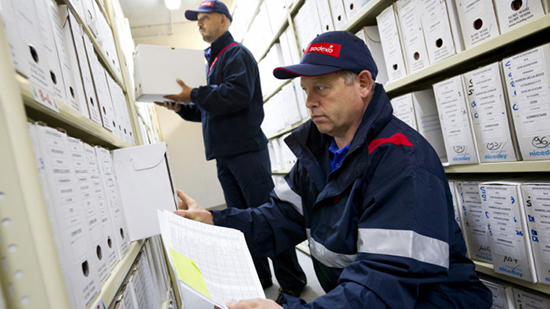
(157, 67)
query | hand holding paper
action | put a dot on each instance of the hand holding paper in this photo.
(189, 208)
(209, 260)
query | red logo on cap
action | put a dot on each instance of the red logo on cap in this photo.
(207, 3)
(324, 48)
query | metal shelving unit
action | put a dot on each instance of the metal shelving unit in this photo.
(31, 276)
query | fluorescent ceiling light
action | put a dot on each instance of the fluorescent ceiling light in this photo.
(172, 4)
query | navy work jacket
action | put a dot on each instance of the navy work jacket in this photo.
(380, 229)
(230, 106)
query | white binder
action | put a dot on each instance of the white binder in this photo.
(454, 114)
(411, 33)
(490, 118)
(391, 44)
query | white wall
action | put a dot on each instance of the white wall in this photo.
(192, 173)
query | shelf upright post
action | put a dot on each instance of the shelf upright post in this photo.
(31, 275)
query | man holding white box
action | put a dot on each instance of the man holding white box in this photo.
(367, 191)
(230, 108)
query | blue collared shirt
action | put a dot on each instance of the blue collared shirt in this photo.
(337, 155)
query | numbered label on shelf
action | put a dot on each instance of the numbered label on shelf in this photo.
(44, 97)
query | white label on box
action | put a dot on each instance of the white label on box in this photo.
(489, 115)
(512, 13)
(455, 125)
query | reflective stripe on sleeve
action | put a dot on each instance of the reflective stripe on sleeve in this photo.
(404, 243)
(327, 257)
(285, 193)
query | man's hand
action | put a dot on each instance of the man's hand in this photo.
(189, 208)
(256, 303)
(185, 94)
(173, 106)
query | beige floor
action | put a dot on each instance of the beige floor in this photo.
(311, 292)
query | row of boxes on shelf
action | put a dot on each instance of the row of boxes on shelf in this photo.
(50, 48)
(505, 222)
(285, 109)
(148, 123)
(97, 202)
(149, 271)
(496, 113)
(414, 38)
(509, 296)
(281, 157)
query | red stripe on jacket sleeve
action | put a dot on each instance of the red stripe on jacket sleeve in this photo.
(397, 139)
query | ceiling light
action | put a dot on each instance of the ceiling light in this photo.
(172, 4)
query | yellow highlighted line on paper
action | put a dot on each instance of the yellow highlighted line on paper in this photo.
(189, 273)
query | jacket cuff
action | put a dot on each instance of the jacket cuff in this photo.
(194, 94)
(217, 217)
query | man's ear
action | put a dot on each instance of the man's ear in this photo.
(365, 83)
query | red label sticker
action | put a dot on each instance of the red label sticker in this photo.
(207, 3)
(324, 48)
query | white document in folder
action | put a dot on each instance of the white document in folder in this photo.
(212, 261)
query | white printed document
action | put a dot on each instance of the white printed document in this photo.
(212, 261)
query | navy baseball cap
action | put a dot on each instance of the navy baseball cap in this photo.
(330, 52)
(207, 7)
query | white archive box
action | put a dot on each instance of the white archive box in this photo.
(513, 13)
(490, 117)
(34, 52)
(72, 59)
(437, 29)
(530, 300)
(60, 45)
(371, 36)
(503, 206)
(478, 21)
(536, 195)
(145, 184)
(157, 67)
(454, 194)
(427, 120)
(412, 34)
(325, 16)
(88, 85)
(503, 293)
(391, 44)
(474, 222)
(403, 109)
(528, 84)
(338, 14)
(47, 32)
(353, 6)
(454, 116)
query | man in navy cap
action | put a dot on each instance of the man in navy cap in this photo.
(368, 192)
(230, 108)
